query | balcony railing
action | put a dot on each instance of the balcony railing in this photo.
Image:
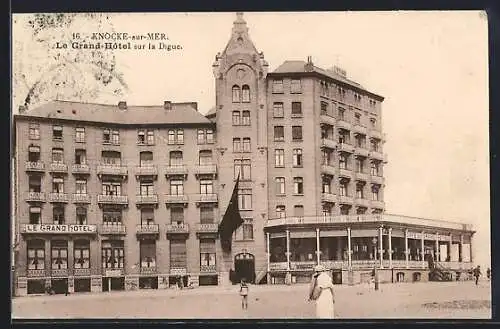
(81, 198)
(377, 179)
(112, 170)
(347, 173)
(206, 198)
(328, 197)
(113, 229)
(59, 272)
(81, 272)
(346, 199)
(327, 142)
(363, 202)
(37, 166)
(361, 151)
(208, 169)
(377, 155)
(208, 268)
(35, 197)
(346, 147)
(414, 264)
(176, 198)
(35, 273)
(377, 204)
(376, 134)
(364, 263)
(424, 222)
(207, 227)
(305, 265)
(146, 170)
(328, 119)
(176, 170)
(149, 270)
(344, 124)
(334, 264)
(362, 176)
(80, 169)
(328, 170)
(58, 167)
(178, 228)
(147, 199)
(360, 129)
(148, 229)
(58, 197)
(112, 199)
(279, 266)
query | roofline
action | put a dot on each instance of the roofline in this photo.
(21, 117)
(317, 74)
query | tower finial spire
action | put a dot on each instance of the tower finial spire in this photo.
(239, 16)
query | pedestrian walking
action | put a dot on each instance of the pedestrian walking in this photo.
(488, 273)
(244, 294)
(477, 273)
(321, 291)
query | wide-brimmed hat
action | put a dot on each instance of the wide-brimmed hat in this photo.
(319, 268)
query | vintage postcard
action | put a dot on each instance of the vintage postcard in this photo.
(250, 165)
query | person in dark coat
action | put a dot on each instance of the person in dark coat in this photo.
(488, 273)
(477, 273)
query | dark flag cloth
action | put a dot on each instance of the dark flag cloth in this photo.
(231, 220)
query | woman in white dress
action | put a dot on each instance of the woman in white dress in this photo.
(321, 291)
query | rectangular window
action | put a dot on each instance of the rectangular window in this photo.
(81, 253)
(357, 118)
(280, 211)
(242, 167)
(297, 157)
(296, 109)
(360, 165)
(171, 137)
(343, 188)
(176, 158)
(35, 183)
(57, 133)
(81, 216)
(147, 251)
(280, 185)
(245, 231)
(207, 252)
(343, 161)
(326, 157)
(298, 185)
(375, 193)
(177, 215)
(34, 154)
(80, 134)
(245, 118)
(111, 188)
(278, 86)
(147, 188)
(176, 187)
(359, 191)
(81, 186)
(295, 86)
(147, 216)
(57, 185)
(111, 158)
(35, 215)
(341, 114)
(374, 168)
(106, 136)
(141, 137)
(34, 131)
(245, 199)
(201, 136)
(374, 144)
(278, 110)
(59, 250)
(279, 133)
(178, 254)
(206, 214)
(150, 137)
(80, 157)
(236, 118)
(279, 158)
(113, 255)
(324, 108)
(298, 211)
(115, 137)
(36, 254)
(57, 155)
(112, 216)
(236, 144)
(206, 186)
(296, 133)
(180, 136)
(246, 145)
(326, 186)
(209, 134)
(205, 157)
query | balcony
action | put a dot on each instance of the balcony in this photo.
(112, 170)
(328, 119)
(178, 271)
(280, 266)
(59, 272)
(362, 202)
(58, 197)
(300, 221)
(377, 179)
(176, 199)
(361, 176)
(145, 229)
(35, 273)
(346, 173)
(334, 264)
(207, 230)
(344, 124)
(149, 270)
(329, 143)
(424, 222)
(81, 272)
(377, 155)
(209, 169)
(208, 269)
(58, 167)
(151, 199)
(82, 169)
(301, 266)
(81, 198)
(376, 134)
(146, 170)
(112, 229)
(35, 197)
(205, 198)
(182, 229)
(346, 199)
(328, 169)
(113, 272)
(377, 204)
(345, 147)
(112, 199)
(360, 129)
(361, 151)
(414, 264)
(328, 197)
(179, 170)
(34, 166)
(364, 264)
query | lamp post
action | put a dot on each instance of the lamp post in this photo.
(375, 269)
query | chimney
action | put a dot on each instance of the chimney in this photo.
(309, 67)
(22, 109)
(167, 105)
(122, 105)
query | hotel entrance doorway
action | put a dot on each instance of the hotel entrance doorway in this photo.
(244, 267)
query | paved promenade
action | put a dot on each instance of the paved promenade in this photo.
(447, 300)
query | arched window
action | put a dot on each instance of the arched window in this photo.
(246, 93)
(236, 94)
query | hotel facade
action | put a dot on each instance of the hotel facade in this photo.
(119, 197)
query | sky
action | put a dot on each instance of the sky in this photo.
(431, 67)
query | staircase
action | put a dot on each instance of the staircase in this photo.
(261, 275)
(438, 272)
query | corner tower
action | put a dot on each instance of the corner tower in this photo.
(240, 82)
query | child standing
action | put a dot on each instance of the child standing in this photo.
(244, 294)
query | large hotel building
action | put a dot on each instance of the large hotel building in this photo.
(120, 197)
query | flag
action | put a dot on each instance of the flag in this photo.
(231, 220)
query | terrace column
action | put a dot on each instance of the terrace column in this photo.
(460, 248)
(470, 249)
(407, 252)
(287, 250)
(422, 252)
(349, 251)
(317, 247)
(437, 248)
(381, 247)
(390, 247)
(268, 242)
